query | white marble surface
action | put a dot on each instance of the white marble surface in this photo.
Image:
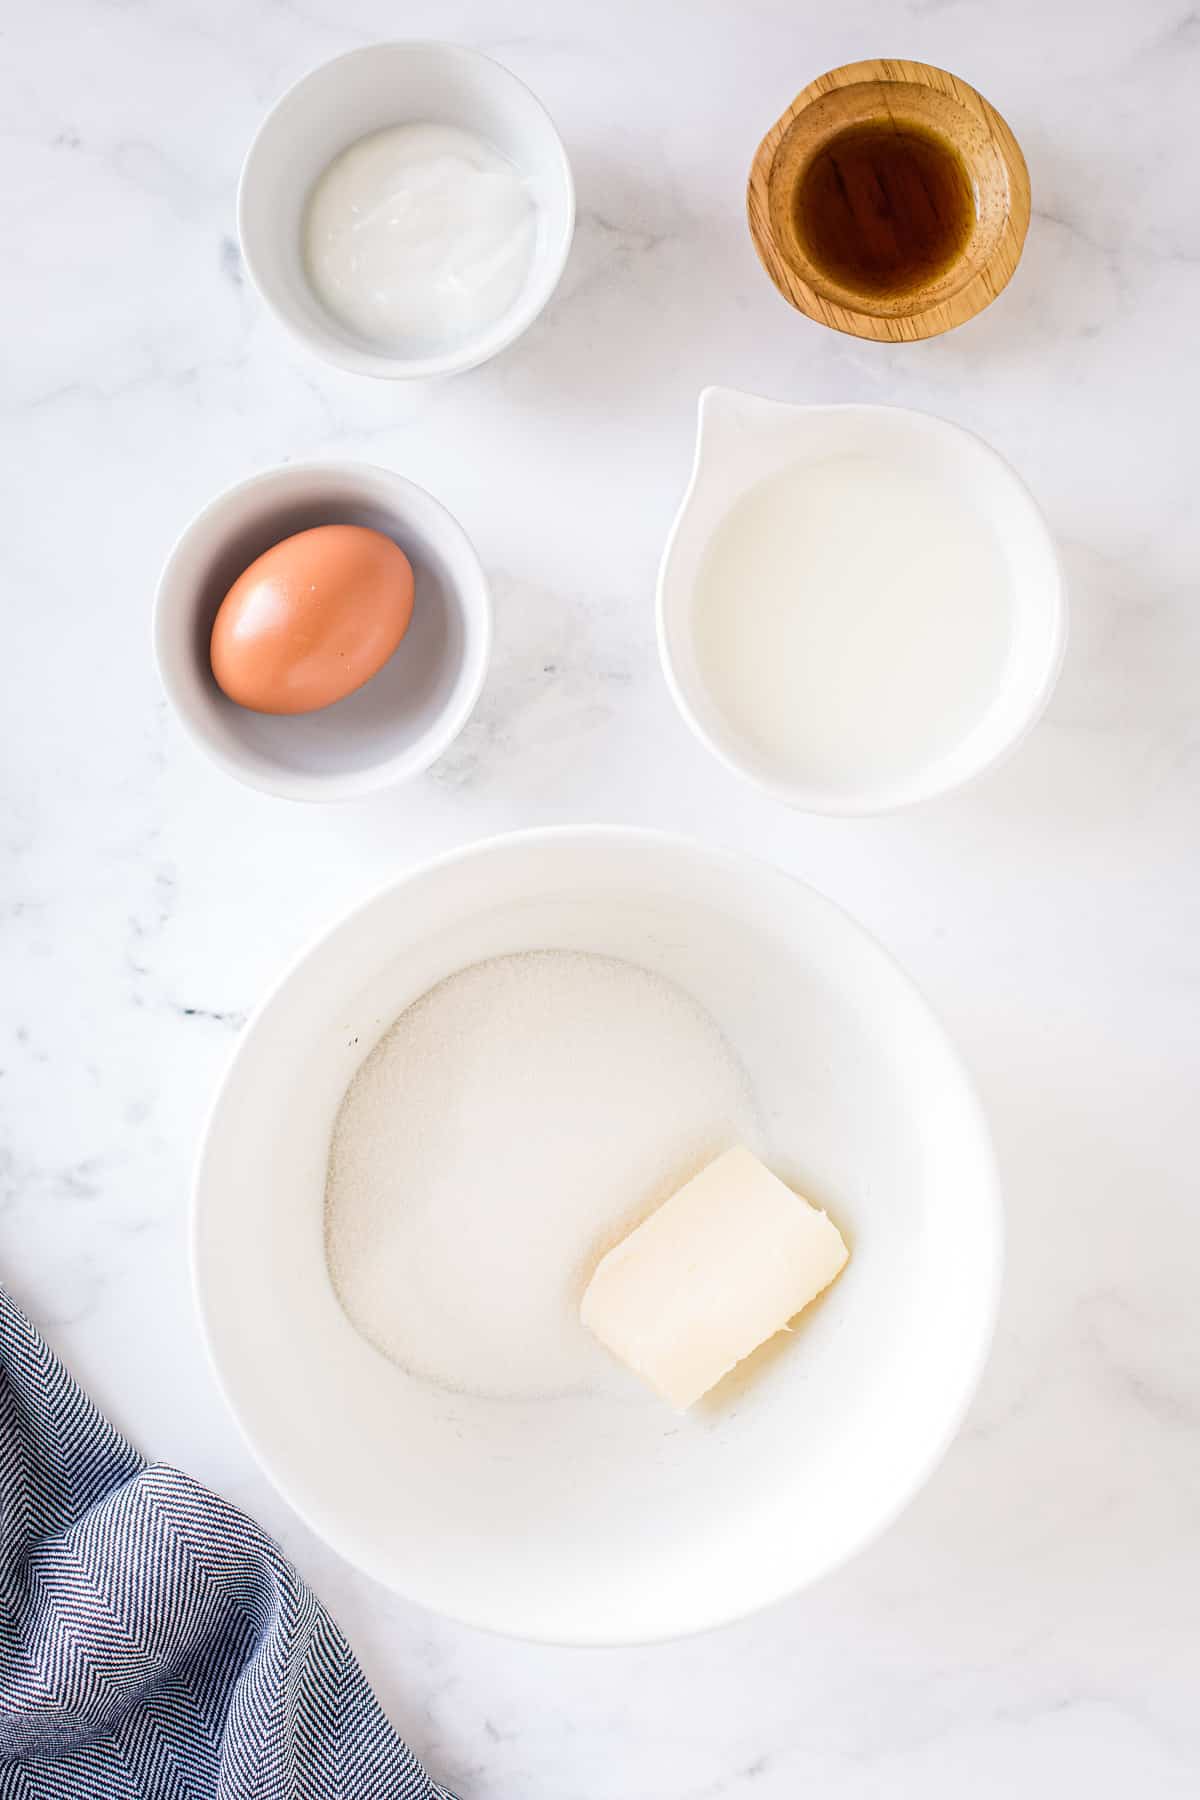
(1029, 1624)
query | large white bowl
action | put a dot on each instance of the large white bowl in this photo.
(364, 91)
(600, 1518)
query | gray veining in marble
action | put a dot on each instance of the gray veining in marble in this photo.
(1030, 1625)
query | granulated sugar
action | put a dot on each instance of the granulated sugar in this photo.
(511, 1126)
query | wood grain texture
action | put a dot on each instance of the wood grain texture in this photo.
(900, 93)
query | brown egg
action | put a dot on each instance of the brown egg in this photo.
(311, 619)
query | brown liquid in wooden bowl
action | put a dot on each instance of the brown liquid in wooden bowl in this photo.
(889, 200)
(884, 208)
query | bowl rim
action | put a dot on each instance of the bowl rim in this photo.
(810, 797)
(970, 1364)
(473, 351)
(299, 785)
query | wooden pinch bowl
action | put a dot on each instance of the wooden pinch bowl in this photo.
(927, 101)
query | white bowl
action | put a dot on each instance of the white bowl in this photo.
(743, 440)
(365, 91)
(601, 1517)
(407, 714)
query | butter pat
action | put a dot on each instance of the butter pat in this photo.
(719, 1268)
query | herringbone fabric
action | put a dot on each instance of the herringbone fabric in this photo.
(154, 1643)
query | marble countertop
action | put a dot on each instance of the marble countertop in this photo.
(1027, 1627)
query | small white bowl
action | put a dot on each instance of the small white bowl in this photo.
(407, 714)
(743, 440)
(597, 1515)
(365, 91)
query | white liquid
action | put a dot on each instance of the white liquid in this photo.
(419, 236)
(852, 621)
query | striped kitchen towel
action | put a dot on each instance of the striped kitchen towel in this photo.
(154, 1643)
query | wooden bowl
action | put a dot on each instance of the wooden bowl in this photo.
(937, 106)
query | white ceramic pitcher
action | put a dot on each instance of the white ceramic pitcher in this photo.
(743, 440)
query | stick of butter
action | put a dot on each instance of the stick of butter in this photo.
(719, 1268)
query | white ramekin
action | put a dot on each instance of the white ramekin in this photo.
(364, 91)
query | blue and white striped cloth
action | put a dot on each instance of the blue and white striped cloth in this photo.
(154, 1643)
